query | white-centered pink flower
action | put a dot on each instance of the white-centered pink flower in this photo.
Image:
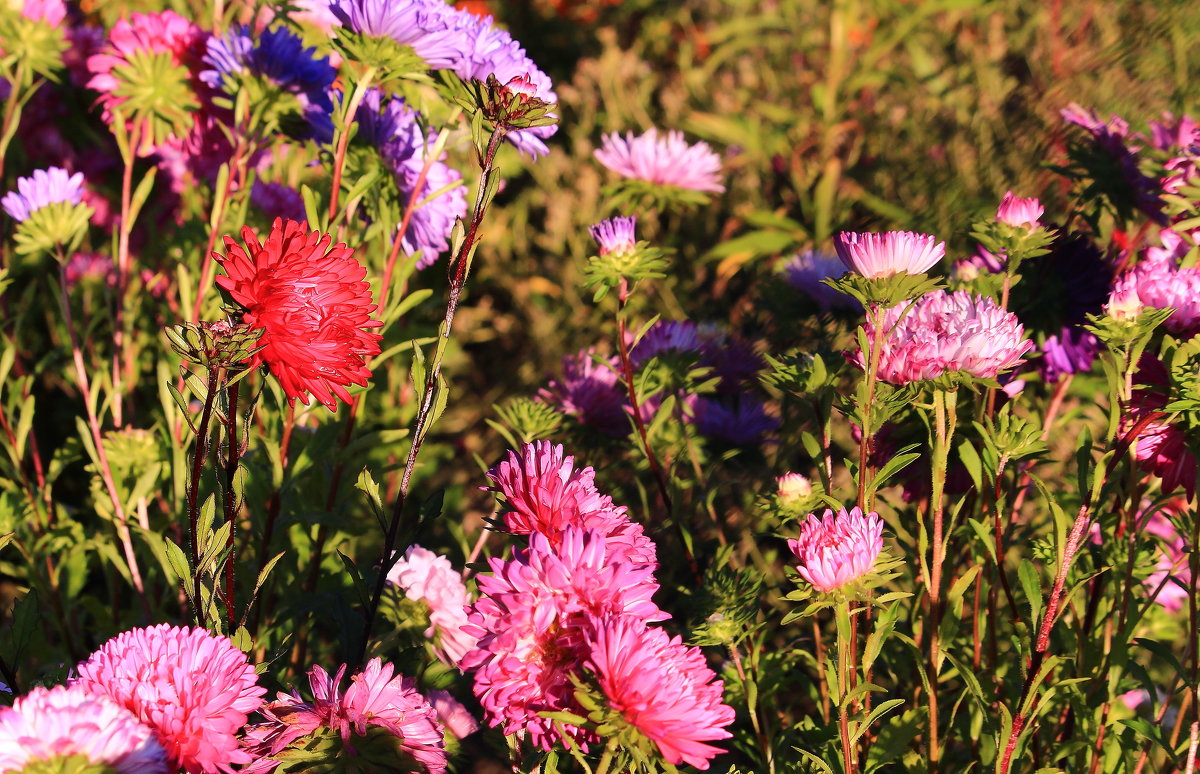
(835, 549)
(889, 253)
(427, 577)
(945, 333)
(662, 159)
(1016, 211)
(61, 722)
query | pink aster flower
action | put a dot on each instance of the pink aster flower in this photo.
(60, 722)
(882, 255)
(529, 620)
(1019, 212)
(51, 12)
(660, 687)
(667, 160)
(615, 235)
(425, 576)
(457, 719)
(1160, 283)
(834, 550)
(194, 689)
(1172, 562)
(948, 332)
(544, 493)
(377, 698)
(792, 486)
(84, 266)
(1161, 447)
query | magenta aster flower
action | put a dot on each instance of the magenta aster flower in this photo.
(377, 698)
(60, 722)
(456, 718)
(833, 550)
(1162, 446)
(425, 576)
(882, 255)
(529, 619)
(615, 235)
(194, 689)
(1019, 212)
(948, 332)
(591, 392)
(41, 189)
(667, 160)
(660, 687)
(544, 493)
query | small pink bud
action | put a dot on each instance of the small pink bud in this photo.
(1016, 211)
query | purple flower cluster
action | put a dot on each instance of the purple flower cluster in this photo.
(591, 392)
(43, 188)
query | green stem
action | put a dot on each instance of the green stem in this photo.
(945, 403)
(875, 317)
(845, 665)
(610, 750)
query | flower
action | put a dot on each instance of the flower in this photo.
(83, 266)
(741, 420)
(1114, 139)
(667, 336)
(667, 160)
(834, 550)
(52, 12)
(1171, 565)
(146, 73)
(377, 698)
(948, 332)
(59, 722)
(1124, 303)
(1161, 447)
(590, 390)
(805, 271)
(545, 494)
(882, 255)
(276, 200)
(1019, 212)
(423, 575)
(430, 27)
(662, 688)
(529, 617)
(792, 486)
(1159, 283)
(615, 235)
(194, 689)
(41, 189)
(1071, 351)
(457, 719)
(309, 299)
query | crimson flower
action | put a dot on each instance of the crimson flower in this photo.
(310, 300)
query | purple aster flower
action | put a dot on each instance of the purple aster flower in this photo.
(1071, 351)
(615, 235)
(394, 128)
(433, 29)
(43, 188)
(1174, 133)
(1113, 137)
(276, 200)
(741, 420)
(667, 336)
(731, 358)
(591, 392)
(667, 160)
(805, 271)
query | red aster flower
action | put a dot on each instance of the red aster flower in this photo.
(309, 298)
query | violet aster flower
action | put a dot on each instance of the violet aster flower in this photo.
(1113, 138)
(740, 420)
(430, 27)
(43, 188)
(591, 392)
(615, 235)
(1072, 350)
(805, 271)
(667, 336)
(882, 255)
(948, 332)
(665, 160)
(276, 200)
(834, 550)
(392, 126)
(1019, 212)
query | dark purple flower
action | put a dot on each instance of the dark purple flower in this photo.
(740, 420)
(1114, 138)
(276, 200)
(591, 392)
(680, 336)
(1071, 351)
(805, 272)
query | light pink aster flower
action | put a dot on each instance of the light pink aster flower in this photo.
(544, 493)
(792, 486)
(425, 576)
(377, 698)
(457, 719)
(834, 550)
(948, 332)
(529, 617)
(1124, 303)
(659, 686)
(1160, 283)
(882, 255)
(194, 689)
(667, 160)
(51, 12)
(60, 722)
(1019, 212)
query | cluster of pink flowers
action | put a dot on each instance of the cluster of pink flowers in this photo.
(1158, 282)
(945, 333)
(425, 576)
(575, 607)
(1161, 446)
(834, 550)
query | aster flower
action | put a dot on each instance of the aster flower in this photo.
(544, 493)
(1072, 350)
(1160, 283)
(276, 200)
(456, 718)
(591, 392)
(529, 619)
(667, 336)
(740, 420)
(1019, 212)
(615, 235)
(145, 72)
(834, 550)
(83, 266)
(805, 271)
(425, 576)
(309, 299)
(429, 27)
(60, 722)
(667, 160)
(659, 689)
(882, 255)
(946, 333)
(792, 486)
(42, 189)
(194, 689)
(731, 358)
(377, 699)
(1114, 140)
(51, 12)
(394, 129)
(1162, 446)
